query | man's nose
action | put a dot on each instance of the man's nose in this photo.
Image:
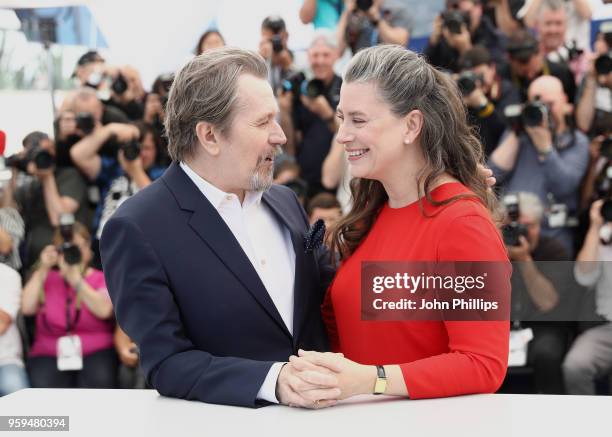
(278, 136)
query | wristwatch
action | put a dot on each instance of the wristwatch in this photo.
(381, 381)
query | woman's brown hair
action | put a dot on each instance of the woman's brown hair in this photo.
(406, 82)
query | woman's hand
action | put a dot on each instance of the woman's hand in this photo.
(353, 378)
(71, 273)
(48, 257)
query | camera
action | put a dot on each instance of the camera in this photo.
(71, 252)
(131, 150)
(276, 25)
(119, 85)
(606, 210)
(531, 114)
(603, 64)
(513, 230)
(453, 20)
(364, 5)
(85, 122)
(467, 82)
(298, 84)
(42, 159)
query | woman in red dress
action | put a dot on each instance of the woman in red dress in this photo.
(418, 196)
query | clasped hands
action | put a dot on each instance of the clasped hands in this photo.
(318, 380)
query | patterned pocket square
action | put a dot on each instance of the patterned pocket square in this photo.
(314, 236)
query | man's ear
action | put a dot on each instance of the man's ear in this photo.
(414, 124)
(208, 138)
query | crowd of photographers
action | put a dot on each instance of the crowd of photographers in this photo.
(537, 92)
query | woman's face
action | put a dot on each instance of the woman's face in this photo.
(373, 137)
(148, 153)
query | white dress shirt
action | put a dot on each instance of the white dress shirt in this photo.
(267, 244)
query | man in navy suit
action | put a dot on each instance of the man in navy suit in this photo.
(206, 267)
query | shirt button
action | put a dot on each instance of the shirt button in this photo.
(228, 197)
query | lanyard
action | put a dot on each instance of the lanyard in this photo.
(70, 324)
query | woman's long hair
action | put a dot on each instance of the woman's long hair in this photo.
(406, 82)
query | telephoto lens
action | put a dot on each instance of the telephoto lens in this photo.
(85, 122)
(534, 113)
(467, 82)
(119, 85)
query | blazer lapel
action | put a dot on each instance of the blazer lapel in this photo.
(300, 292)
(210, 227)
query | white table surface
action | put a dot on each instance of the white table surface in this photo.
(130, 413)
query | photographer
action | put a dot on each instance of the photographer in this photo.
(139, 166)
(594, 99)
(51, 192)
(540, 292)
(13, 376)
(546, 156)
(96, 154)
(486, 95)
(74, 315)
(308, 109)
(12, 227)
(526, 64)
(366, 23)
(590, 357)
(552, 26)
(273, 48)
(461, 26)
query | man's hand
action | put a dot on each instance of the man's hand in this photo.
(374, 12)
(595, 216)
(131, 168)
(459, 41)
(540, 137)
(522, 252)
(353, 378)
(476, 99)
(128, 355)
(124, 133)
(319, 106)
(315, 387)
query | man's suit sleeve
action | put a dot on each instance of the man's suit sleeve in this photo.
(146, 310)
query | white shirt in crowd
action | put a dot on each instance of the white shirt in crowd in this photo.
(601, 279)
(267, 244)
(10, 300)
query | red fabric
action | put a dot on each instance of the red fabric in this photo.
(437, 358)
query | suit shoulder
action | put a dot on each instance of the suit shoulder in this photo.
(155, 197)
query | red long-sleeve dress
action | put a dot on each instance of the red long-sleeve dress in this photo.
(437, 358)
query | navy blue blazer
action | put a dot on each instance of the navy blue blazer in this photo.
(187, 294)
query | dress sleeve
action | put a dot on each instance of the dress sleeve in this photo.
(327, 312)
(477, 357)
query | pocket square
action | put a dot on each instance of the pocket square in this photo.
(314, 236)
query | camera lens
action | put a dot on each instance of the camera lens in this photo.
(313, 88)
(85, 122)
(72, 254)
(364, 5)
(603, 64)
(606, 210)
(533, 114)
(131, 150)
(466, 83)
(43, 160)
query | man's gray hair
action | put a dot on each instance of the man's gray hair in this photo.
(551, 5)
(324, 36)
(206, 89)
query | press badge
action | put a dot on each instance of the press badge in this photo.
(69, 353)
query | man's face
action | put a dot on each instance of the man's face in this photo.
(329, 215)
(89, 104)
(252, 141)
(527, 70)
(552, 26)
(322, 59)
(148, 153)
(84, 71)
(487, 72)
(552, 95)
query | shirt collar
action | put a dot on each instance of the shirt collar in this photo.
(216, 196)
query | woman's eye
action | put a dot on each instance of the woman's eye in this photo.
(358, 121)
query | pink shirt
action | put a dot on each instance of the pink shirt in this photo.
(95, 334)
